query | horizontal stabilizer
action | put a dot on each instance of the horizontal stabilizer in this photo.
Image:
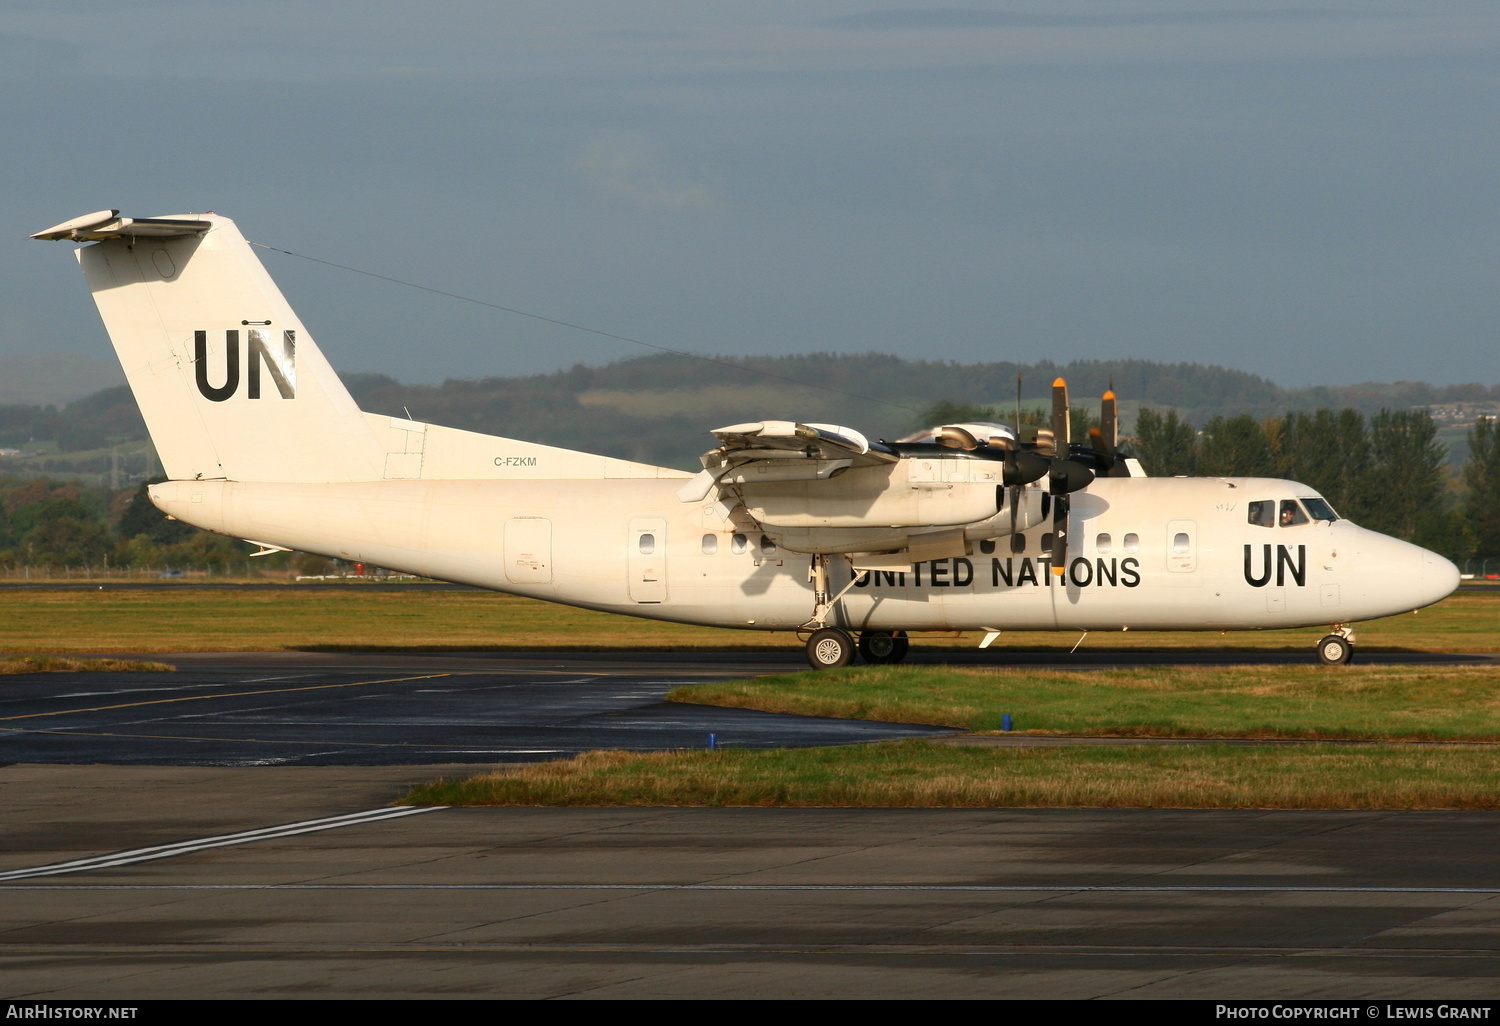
(107, 224)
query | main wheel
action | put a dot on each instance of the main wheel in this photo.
(1335, 651)
(829, 648)
(883, 646)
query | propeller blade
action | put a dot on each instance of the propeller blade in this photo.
(1059, 535)
(1060, 434)
(1109, 419)
(1102, 449)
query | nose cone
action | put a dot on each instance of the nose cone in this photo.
(1436, 579)
(1384, 576)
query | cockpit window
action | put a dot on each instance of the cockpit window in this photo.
(1291, 513)
(1320, 509)
(1263, 513)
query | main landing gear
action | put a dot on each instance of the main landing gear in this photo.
(883, 646)
(829, 647)
(1337, 648)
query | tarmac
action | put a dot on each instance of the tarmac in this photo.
(153, 849)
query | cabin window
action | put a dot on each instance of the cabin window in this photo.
(1320, 509)
(987, 546)
(1047, 543)
(1102, 544)
(738, 544)
(1291, 513)
(1132, 542)
(1180, 543)
(1263, 513)
(710, 544)
(647, 544)
(767, 546)
(1018, 543)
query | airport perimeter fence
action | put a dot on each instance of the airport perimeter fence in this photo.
(1480, 568)
(45, 574)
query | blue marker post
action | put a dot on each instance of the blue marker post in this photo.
(1005, 722)
(713, 741)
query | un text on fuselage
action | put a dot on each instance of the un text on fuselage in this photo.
(1282, 563)
(282, 366)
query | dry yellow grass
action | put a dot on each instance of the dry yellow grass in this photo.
(366, 616)
(59, 664)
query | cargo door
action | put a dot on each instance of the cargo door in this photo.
(528, 550)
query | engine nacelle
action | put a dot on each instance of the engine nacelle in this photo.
(912, 493)
(951, 540)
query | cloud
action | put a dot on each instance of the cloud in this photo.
(623, 166)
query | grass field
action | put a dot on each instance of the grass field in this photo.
(927, 775)
(1402, 703)
(199, 620)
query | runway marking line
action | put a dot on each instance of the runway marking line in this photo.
(163, 851)
(876, 888)
(232, 694)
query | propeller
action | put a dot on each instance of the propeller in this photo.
(1064, 476)
(1102, 438)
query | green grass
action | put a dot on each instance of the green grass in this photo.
(1383, 702)
(927, 775)
(199, 620)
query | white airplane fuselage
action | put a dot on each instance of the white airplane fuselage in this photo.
(1198, 566)
(263, 442)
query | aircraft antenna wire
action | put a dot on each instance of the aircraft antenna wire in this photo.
(591, 331)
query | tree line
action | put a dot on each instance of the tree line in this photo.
(1386, 472)
(50, 523)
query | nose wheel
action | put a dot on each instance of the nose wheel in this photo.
(1335, 650)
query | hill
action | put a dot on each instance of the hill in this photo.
(660, 408)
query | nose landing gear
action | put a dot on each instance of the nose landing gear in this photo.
(1337, 648)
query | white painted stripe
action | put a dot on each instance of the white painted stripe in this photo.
(929, 888)
(162, 851)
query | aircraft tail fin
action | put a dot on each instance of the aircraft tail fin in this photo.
(230, 384)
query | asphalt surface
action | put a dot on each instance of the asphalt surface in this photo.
(225, 831)
(725, 903)
(394, 708)
(275, 708)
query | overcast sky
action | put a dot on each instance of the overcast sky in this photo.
(1306, 191)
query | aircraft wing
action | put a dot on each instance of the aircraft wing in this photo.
(787, 440)
(819, 448)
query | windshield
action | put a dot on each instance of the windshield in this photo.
(1319, 509)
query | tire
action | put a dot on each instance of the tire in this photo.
(1335, 651)
(829, 648)
(883, 646)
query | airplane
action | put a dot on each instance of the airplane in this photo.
(807, 527)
